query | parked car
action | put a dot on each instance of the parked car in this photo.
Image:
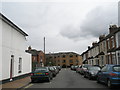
(56, 69)
(110, 75)
(75, 68)
(84, 68)
(52, 69)
(78, 68)
(91, 72)
(59, 67)
(41, 73)
(72, 67)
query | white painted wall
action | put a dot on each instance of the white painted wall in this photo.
(14, 43)
(0, 49)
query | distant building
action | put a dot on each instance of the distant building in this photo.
(37, 58)
(64, 59)
(14, 58)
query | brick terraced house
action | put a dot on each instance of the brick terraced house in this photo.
(106, 51)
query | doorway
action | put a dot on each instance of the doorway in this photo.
(11, 67)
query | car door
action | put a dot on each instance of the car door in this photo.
(102, 74)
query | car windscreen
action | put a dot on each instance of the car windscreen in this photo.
(94, 68)
(86, 66)
(41, 69)
(51, 68)
(116, 68)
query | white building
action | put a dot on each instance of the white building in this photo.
(15, 61)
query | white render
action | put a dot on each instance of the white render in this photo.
(13, 43)
(0, 49)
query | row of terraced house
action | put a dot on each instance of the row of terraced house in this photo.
(106, 50)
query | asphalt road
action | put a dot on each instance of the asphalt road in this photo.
(68, 79)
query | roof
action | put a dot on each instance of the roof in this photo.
(62, 53)
(111, 34)
(34, 52)
(12, 24)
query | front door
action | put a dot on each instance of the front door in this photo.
(11, 67)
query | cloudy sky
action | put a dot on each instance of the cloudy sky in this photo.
(68, 25)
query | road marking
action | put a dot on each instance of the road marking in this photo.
(29, 85)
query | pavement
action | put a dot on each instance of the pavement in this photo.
(17, 83)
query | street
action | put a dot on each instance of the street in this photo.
(67, 79)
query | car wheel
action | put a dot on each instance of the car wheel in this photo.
(51, 77)
(84, 76)
(98, 81)
(32, 81)
(48, 79)
(109, 84)
(89, 77)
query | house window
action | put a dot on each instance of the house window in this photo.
(102, 60)
(71, 61)
(113, 59)
(108, 44)
(20, 65)
(77, 61)
(112, 41)
(50, 57)
(104, 46)
(64, 61)
(71, 55)
(118, 62)
(118, 39)
(76, 55)
(63, 56)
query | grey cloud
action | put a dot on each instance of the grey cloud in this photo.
(96, 23)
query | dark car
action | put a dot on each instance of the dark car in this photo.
(59, 67)
(84, 68)
(110, 75)
(78, 69)
(52, 69)
(91, 72)
(56, 69)
(41, 73)
(72, 67)
(75, 68)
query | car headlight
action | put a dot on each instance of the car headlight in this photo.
(92, 73)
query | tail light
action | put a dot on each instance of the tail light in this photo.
(113, 74)
(31, 74)
(46, 73)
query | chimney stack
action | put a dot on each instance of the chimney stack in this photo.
(88, 47)
(101, 37)
(94, 43)
(112, 28)
(29, 48)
